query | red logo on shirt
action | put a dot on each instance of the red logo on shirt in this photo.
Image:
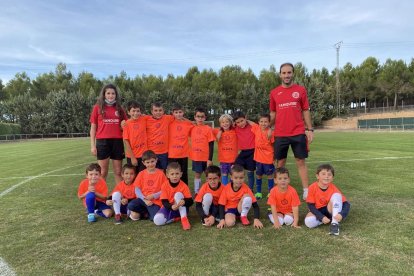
(136, 126)
(129, 194)
(323, 201)
(150, 183)
(284, 202)
(157, 125)
(295, 95)
(179, 128)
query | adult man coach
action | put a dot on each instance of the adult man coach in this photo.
(290, 114)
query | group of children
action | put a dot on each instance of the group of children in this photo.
(165, 198)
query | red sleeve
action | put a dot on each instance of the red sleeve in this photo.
(94, 115)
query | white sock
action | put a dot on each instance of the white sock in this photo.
(182, 209)
(336, 201)
(305, 193)
(116, 198)
(197, 183)
(278, 218)
(207, 201)
(159, 219)
(288, 220)
(246, 205)
(312, 222)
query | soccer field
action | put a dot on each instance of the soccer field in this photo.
(44, 230)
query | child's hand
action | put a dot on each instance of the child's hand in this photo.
(124, 201)
(123, 122)
(338, 217)
(209, 163)
(109, 202)
(148, 202)
(91, 189)
(277, 225)
(325, 220)
(209, 221)
(221, 224)
(295, 225)
(134, 161)
(181, 203)
(174, 207)
(149, 197)
(93, 151)
(257, 224)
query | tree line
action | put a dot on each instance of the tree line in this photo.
(59, 102)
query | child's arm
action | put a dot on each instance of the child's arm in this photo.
(257, 223)
(139, 193)
(129, 152)
(295, 210)
(222, 223)
(167, 205)
(219, 133)
(276, 223)
(344, 212)
(321, 217)
(205, 219)
(210, 153)
(92, 134)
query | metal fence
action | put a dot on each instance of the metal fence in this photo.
(402, 123)
(20, 137)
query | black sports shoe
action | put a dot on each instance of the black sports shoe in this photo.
(334, 229)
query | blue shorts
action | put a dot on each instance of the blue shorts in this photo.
(264, 169)
(233, 211)
(245, 159)
(100, 206)
(110, 148)
(199, 166)
(225, 167)
(170, 215)
(162, 161)
(299, 144)
(138, 205)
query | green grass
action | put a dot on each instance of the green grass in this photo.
(44, 228)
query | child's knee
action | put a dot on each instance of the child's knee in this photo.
(288, 220)
(178, 196)
(312, 222)
(208, 198)
(159, 219)
(134, 215)
(108, 213)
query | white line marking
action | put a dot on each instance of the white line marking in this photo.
(5, 192)
(364, 159)
(5, 270)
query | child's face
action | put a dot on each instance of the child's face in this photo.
(264, 123)
(324, 177)
(241, 122)
(128, 176)
(134, 112)
(150, 164)
(225, 124)
(237, 178)
(110, 94)
(178, 114)
(93, 177)
(174, 175)
(282, 180)
(157, 112)
(200, 117)
(213, 180)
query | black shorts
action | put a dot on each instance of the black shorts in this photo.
(110, 148)
(245, 159)
(299, 144)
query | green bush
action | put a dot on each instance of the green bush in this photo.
(6, 128)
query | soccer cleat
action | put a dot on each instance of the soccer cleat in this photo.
(244, 220)
(185, 223)
(91, 218)
(334, 229)
(118, 219)
(258, 195)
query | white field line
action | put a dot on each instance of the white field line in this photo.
(5, 192)
(364, 159)
(5, 270)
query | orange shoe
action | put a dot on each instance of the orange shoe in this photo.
(244, 220)
(185, 223)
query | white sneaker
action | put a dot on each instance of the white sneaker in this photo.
(305, 193)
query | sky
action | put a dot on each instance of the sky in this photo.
(168, 37)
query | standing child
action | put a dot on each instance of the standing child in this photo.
(325, 201)
(246, 145)
(175, 197)
(227, 146)
(208, 197)
(284, 201)
(93, 192)
(263, 153)
(135, 136)
(178, 148)
(236, 201)
(147, 188)
(157, 134)
(202, 146)
(106, 133)
(123, 193)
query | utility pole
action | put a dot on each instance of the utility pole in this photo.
(338, 97)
